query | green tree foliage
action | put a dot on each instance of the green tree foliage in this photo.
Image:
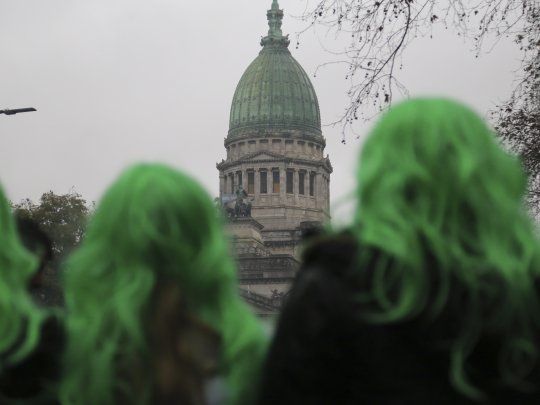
(62, 216)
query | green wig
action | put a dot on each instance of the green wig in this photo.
(153, 224)
(443, 202)
(20, 319)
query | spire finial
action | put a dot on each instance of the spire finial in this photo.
(275, 18)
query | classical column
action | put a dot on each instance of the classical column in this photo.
(282, 181)
(319, 190)
(268, 180)
(222, 183)
(250, 173)
(303, 183)
(240, 178)
(231, 183)
(328, 194)
(257, 184)
(295, 185)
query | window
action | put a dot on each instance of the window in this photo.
(312, 183)
(301, 182)
(239, 177)
(264, 189)
(289, 183)
(275, 181)
(224, 184)
(251, 182)
(231, 178)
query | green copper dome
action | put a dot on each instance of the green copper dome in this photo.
(275, 92)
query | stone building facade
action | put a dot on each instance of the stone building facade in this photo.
(276, 166)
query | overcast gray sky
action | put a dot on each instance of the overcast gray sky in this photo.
(120, 81)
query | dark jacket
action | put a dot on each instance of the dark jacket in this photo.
(34, 379)
(324, 353)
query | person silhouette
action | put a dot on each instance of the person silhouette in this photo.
(154, 311)
(31, 338)
(430, 296)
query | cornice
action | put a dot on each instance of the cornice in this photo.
(268, 132)
(245, 221)
(281, 243)
(260, 301)
(263, 281)
(264, 129)
(275, 158)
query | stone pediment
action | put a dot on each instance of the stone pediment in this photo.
(262, 155)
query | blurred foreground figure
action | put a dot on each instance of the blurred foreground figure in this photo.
(429, 297)
(39, 243)
(30, 338)
(152, 298)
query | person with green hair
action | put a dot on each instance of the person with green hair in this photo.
(31, 338)
(431, 295)
(152, 300)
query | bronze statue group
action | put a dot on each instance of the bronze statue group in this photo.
(431, 295)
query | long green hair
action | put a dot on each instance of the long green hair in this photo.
(444, 203)
(153, 223)
(20, 319)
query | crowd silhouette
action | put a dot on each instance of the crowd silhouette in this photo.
(429, 296)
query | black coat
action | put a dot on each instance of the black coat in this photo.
(323, 353)
(34, 380)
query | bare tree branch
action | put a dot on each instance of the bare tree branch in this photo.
(380, 31)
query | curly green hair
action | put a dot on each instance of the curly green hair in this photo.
(154, 222)
(444, 202)
(21, 320)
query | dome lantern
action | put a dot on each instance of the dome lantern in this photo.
(275, 35)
